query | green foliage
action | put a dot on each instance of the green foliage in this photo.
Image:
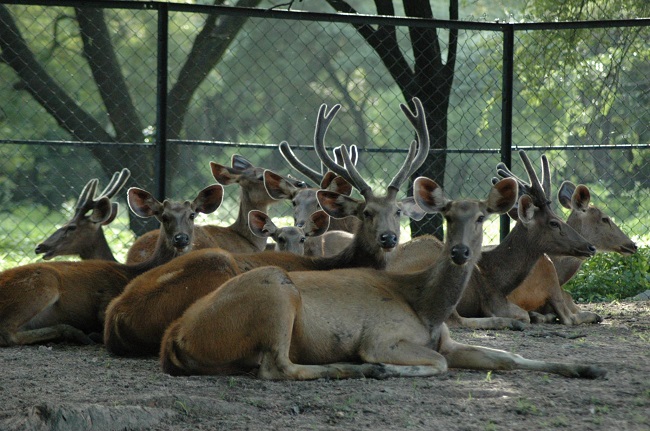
(611, 277)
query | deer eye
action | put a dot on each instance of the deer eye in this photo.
(480, 219)
(192, 216)
(165, 218)
(302, 240)
(399, 212)
(367, 214)
(554, 224)
(606, 220)
(281, 240)
(71, 228)
(294, 203)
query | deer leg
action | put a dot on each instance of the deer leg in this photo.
(19, 307)
(493, 322)
(61, 332)
(466, 356)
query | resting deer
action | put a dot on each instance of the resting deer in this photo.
(289, 238)
(304, 199)
(539, 230)
(137, 319)
(236, 237)
(51, 301)
(348, 323)
(541, 293)
(83, 234)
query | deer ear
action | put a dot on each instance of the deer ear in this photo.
(428, 195)
(564, 194)
(278, 187)
(115, 207)
(526, 209)
(411, 209)
(260, 224)
(337, 184)
(208, 199)
(142, 203)
(102, 211)
(337, 205)
(580, 198)
(503, 196)
(223, 174)
(318, 224)
(240, 163)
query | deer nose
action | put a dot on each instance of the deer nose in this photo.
(181, 240)
(388, 240)
(460, 254)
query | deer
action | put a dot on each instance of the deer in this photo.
(66, 301)
(237, 237)
(304, 199)
(541, 293)
(137, 319)
(305, 203)
(501, 269)
(83, 234)
(288, 238)
(350, 323)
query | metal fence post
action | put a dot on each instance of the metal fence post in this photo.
(506, 109)
(160, 168)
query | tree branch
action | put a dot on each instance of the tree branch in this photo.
(37, 82)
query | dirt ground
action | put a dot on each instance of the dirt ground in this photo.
(68, 387)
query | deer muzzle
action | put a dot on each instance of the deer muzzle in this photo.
(460, 254)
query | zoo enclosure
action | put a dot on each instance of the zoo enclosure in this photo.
(577, 92)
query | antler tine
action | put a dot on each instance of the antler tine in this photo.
(117, 182)
(322, 123)
(352, 151)
(291, 158)
(85, 195)
(546, 176)
(419, 122)
(354, 174)
(404, 171)
(536, 190)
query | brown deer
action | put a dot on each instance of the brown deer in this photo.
(349, 323)
(289, 238)
(501, 269)
(136, 320)
(51, 301)
(541, 293)
(236, 237)
(304, 199)
(83, 234)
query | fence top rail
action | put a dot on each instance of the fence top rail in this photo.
(497, 25)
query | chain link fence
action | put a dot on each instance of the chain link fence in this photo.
(164, 89)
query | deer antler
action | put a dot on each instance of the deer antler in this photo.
(349, 172)
(539, 191)
(116, 183)
(291, 158)
(88, 197)
(414, 159)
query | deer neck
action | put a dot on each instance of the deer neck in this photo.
(358, 254)
(162, 254)
(240, 226)
(98, 248)
(434, 292)
(504, 267)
